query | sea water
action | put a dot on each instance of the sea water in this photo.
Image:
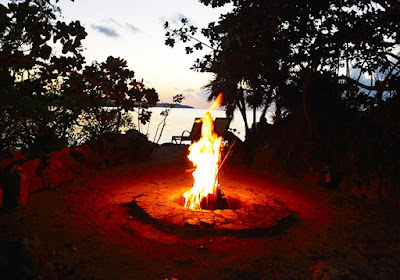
(181, 119)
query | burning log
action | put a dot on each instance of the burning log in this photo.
(216, 200)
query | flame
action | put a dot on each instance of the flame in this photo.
(217, 102)
(205, 155)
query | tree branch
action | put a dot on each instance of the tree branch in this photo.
(58, 68)
(354, 82)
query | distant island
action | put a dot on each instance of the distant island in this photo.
(168, 105)
(111, 103)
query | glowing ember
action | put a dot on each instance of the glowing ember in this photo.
(205, 155)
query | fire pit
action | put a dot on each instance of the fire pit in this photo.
(206, 205)
(251, 211)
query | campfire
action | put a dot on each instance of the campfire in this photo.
(205, 154)
(205, 207)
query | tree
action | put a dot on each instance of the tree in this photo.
(109, 110)
(45, 95)
(262, 47)
(177, 99)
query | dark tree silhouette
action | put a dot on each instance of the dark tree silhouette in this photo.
(261, 47)
(52, 99)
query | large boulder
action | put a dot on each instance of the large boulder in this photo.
(85, 156)
(19, 176)
(97, 157)
(113, 149)
(118, 149)
(58, 167)
(10, 158)
(140, 147)
(29, 175)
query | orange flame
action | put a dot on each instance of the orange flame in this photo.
(205, 155)
(217, 102)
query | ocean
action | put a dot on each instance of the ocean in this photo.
(181, 119)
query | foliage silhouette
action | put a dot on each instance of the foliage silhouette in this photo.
(52, 99)
(262, 47)
(330, 70)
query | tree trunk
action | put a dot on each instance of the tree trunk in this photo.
(306, 84)
(254, 116)
(268, 100)
(242, 109)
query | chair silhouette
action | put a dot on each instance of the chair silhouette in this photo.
(192, 136)
(221, 126)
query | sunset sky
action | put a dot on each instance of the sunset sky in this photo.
(133, 30)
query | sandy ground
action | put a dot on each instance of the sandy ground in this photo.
(82, 228)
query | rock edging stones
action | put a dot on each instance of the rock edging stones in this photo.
(20, 176)
(257, 211)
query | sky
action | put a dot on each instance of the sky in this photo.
(133, 30)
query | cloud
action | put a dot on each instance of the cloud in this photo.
(189, 90)
(112, 21)
(113, 28)
(203, 93)
(176, 19)
(132, 28)
(179, 17)
(108, 31)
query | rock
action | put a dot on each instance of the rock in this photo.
(176, 219)
(14, 193)
(262, 217)
(97, 159)
(207, 222)
(192, 223)
(84, 155)
(236, 226)
(226, 216)
(114, 148)
(242, 213)
(81, 153)
(29, 177)
(59, 167)
(140, 145)
(162, 206)
(10, 158)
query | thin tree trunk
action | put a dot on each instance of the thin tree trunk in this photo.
(242, 109)
(254, 116)
(306, 84)
(268, 100)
